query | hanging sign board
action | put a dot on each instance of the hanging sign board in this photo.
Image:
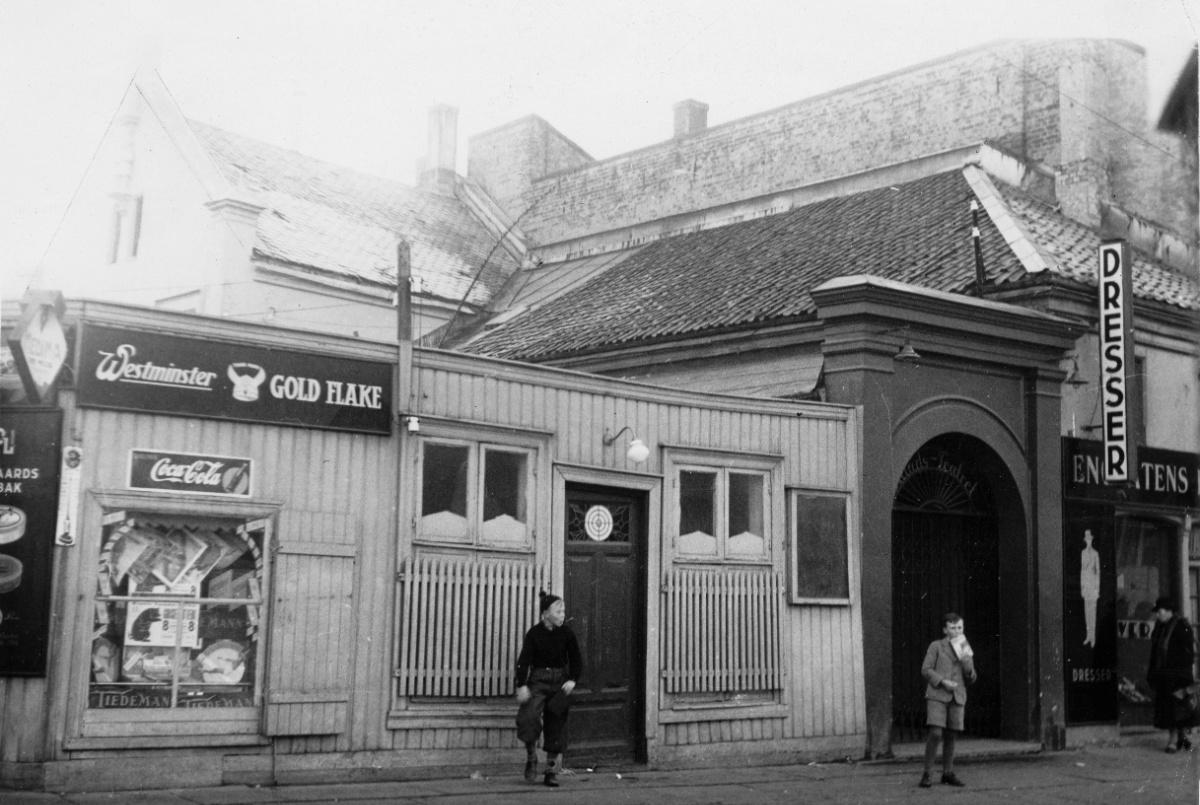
(1118, 378)
(29, 462)
(134, 370)
(184, 472)
(38, 343)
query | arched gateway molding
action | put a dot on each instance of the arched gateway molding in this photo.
(959, 542)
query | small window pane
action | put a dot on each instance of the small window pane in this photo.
(505, 496)
(745, 505)
(697, 512)
(444, 490)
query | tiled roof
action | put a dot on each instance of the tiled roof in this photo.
(344, 222)
(1070, 251)
(759, 272)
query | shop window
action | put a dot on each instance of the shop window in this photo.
(819, 556)
(475, 494)
(1147, 567)
(177, 612)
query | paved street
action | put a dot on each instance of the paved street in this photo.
(1136, 771)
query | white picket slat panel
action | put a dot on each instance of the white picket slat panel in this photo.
(461, 624)
(722, 630)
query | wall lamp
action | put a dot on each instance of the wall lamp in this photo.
(1073, 378)
(637, 452)
(907, 353)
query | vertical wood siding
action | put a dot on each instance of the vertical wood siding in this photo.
(461, 624)
(820, 652)
(333, 599)
(312, 638)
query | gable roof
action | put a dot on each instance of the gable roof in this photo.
(759, 272)
(346, 223)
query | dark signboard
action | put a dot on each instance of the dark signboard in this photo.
(1163, 477)
(1089, 614)
(30, 439)
(142, 371)
(185, 472)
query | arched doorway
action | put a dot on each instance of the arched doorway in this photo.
(946, 556)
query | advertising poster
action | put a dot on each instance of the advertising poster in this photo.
(30, 440)
(1089, 615)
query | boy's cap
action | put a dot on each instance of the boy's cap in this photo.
(1165, 602)
(545, 600)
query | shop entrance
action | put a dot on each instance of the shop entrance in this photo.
(605, 590)
(946, 557)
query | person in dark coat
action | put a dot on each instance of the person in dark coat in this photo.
(1172, 657)
(548, 667)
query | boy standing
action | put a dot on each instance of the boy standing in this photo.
(948, 668)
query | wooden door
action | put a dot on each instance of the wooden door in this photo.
(605, 592)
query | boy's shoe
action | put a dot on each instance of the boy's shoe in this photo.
(550, 780)
(950, 778)
(925, 781)
(531, 770)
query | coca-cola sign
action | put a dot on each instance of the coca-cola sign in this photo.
(142, 371)
(184, 472)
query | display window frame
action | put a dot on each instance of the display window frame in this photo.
(90, 727)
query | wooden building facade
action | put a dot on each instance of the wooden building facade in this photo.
(325, 573)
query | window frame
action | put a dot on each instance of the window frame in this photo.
(478, 441)
(98, 728)
(724, 464)
(795, 594)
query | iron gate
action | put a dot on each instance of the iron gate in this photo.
(944, 561)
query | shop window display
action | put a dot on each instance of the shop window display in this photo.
(177, 610)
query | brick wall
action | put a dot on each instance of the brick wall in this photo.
(1073, 102)
(506, 160)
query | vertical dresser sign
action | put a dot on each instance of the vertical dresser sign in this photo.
(29, 461)
(134, 370)
(1118, 386)
(184, 472)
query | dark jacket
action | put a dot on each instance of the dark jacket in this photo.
(549, 648)
(1172, 655)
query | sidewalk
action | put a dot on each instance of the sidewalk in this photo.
(1136, 771)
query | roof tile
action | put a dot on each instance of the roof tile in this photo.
(341, 221)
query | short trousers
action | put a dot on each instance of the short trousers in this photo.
(944, 714)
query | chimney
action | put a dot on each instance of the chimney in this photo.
(438, 168)
(691, 117)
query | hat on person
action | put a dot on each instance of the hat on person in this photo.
(1165, 602)
(545, 599)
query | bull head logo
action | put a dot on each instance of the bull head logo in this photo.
(246, 377)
